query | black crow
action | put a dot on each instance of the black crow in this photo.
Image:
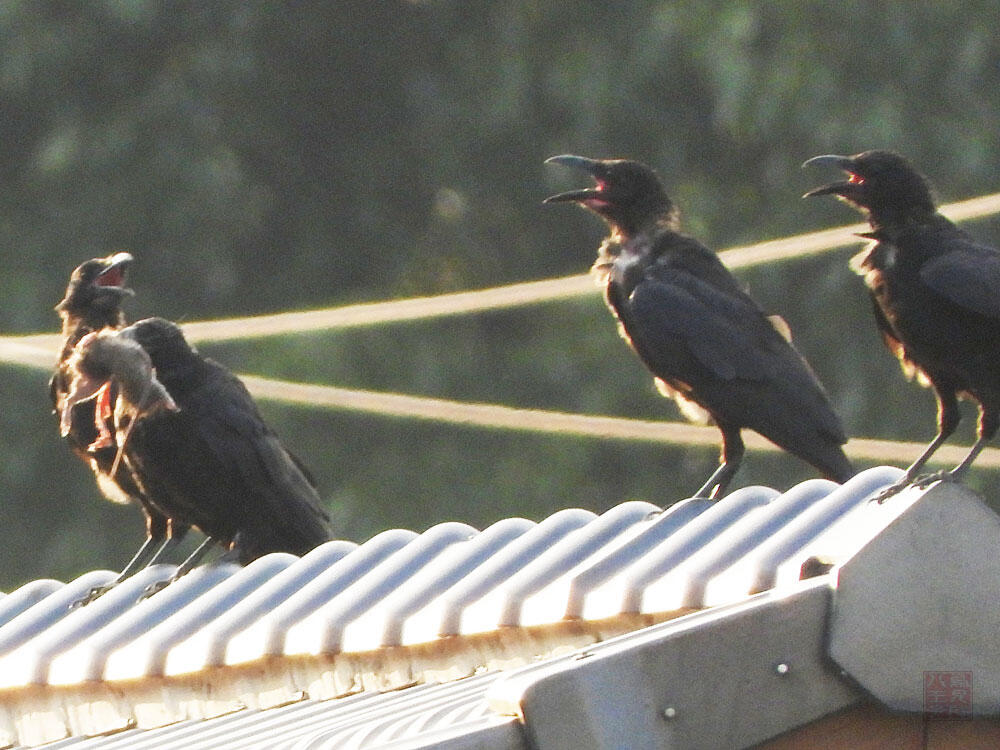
(92, 302)
(97, 288)
(197, 446)
(705, 340)
(935, 293)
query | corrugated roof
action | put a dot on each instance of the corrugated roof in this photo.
(485, 712)
(424, 713)
(402, 608)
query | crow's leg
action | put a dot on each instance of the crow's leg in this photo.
(183, 569)
(948, 418)
(732, 455)
(175, 535)
(989, 421)
(156, 532)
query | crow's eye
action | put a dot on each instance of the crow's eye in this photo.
(856, 179)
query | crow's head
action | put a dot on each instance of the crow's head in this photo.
(97, 287)
(164, 342)
(882, 183)
(628, 195)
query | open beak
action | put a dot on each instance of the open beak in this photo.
(843, 188)
(594, 167)
(114, 275)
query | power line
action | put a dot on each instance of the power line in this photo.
(39, 351)
(29, 351)
(513, 295)
(497, 417)
(494, 416)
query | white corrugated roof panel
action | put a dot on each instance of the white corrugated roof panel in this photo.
(404, 608)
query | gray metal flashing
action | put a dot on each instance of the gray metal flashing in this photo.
(725, 678)
(929, 618)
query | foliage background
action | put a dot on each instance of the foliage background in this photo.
(257, 156)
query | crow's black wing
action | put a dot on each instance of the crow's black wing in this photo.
(967, 274)
(278, 499)
(726, 334)
(729, 354)
(217, 465)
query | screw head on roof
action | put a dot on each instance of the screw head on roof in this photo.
(669, 713)
(782, 668)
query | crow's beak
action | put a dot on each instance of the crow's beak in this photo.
(581, 163)
(113, 277)
(846, 163)
(841, 187)
(594, 167)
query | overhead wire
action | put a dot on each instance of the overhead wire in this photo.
(495, 416)
(541, 421)
(512, 295)
(38, 351)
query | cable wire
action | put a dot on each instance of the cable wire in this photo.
(39, 351)
(498, 417)
(494, 416)
(514, 295)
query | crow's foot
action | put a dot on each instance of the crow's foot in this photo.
(94, 593)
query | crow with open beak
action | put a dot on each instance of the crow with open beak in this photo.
(93, 302)
(935, 293)
(707, 343)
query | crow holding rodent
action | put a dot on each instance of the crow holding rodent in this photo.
(196, 445)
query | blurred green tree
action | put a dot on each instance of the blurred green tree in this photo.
(258, 156)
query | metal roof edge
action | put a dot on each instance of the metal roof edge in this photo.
(914, 618)
(44, 713)
(731, 676)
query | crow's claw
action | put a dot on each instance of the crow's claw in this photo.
(893, 489)
(927, 479)
(154, 588)
(94, 593)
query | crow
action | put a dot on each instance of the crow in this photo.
(196, 445)
(935, 293)
(93, 302)
(707, 343)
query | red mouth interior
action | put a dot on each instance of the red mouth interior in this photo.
(111, 277)
(855, 178)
